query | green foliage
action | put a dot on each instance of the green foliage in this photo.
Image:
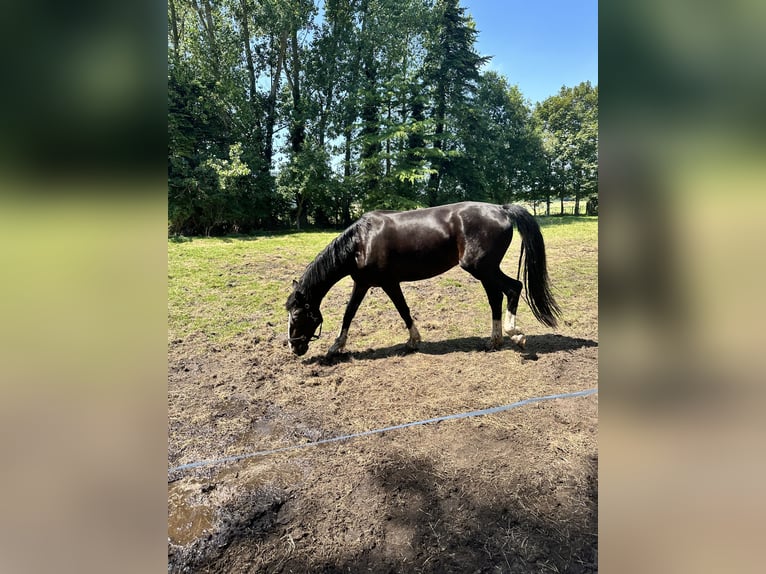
(306, 180)
(570, 122)
(280, 113)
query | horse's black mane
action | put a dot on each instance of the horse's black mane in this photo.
(331, 264)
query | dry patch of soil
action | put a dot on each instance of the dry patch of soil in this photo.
(512, 492)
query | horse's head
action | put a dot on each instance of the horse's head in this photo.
(303, 319)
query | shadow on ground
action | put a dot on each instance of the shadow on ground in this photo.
(536, 345)
(427, 522)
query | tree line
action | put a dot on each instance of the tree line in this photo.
(299, 112)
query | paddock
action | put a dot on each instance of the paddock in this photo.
(511, 491)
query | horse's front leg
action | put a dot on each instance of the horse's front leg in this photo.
(394, 292)
(357, 295)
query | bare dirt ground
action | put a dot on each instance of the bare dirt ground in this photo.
(511, 492)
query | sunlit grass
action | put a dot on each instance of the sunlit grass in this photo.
(223, 288)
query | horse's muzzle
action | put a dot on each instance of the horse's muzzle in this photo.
(300, 345)
(299, 348)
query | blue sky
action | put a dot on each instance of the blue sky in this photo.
(539, 45)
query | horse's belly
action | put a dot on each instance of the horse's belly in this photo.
(409, 252)
(411, 266)
(425, 269)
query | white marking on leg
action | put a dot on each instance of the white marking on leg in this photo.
(520, 339)
(496, 339)
(510, 324)
(414, 337)
(340, 343)
(510, 329)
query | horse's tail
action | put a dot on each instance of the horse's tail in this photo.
(536, 283)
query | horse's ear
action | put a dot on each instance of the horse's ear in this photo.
(297, 295)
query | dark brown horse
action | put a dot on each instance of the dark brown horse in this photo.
(384, 248)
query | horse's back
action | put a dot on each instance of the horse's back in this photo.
(451, 217)
(423, 243)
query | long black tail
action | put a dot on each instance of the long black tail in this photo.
(536, 283)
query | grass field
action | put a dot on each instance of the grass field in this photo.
(222, 288)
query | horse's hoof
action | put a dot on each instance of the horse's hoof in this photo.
(495, 344)
(520, 339)
(414, 340)
(411, 346)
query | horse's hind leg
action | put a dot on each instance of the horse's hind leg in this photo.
(495, 298)
(357, 295)
(512, 289)
(494, 289)
(394, 292)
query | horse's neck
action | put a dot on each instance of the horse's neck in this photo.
(325, 271)
(316, 293)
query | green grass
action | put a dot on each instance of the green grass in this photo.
(572, 247)
(222, 288)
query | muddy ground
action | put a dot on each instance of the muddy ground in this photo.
(510, 492)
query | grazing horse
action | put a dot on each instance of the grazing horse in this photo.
(384, 248)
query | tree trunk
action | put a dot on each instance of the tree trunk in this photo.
(324, 112)
(205, 13)
(211, 27)
(298, 124)
(371, 147)
(434, 181)
(388, 143)
(577, 200)
(299, 212)
(271, 102)
(347, 178)
(174, 29)
(245, 16)
(298, 127)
